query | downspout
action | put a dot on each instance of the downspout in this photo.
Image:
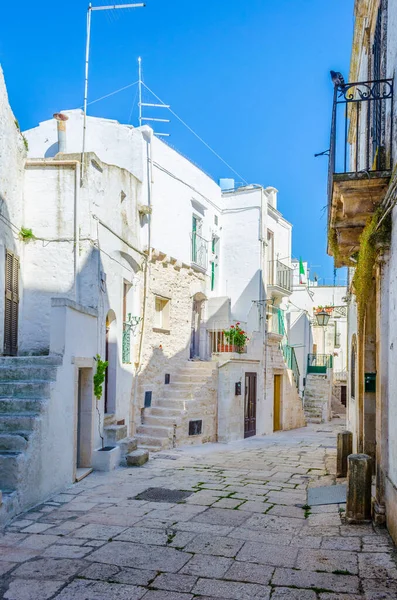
(149, 175)
(75, 164)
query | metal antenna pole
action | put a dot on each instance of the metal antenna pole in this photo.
(87, 59)
(140, 89)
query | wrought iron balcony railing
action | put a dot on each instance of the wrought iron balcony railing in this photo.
(280, 275)
(319, 363)
(275, 320)
(199, 250)
(291, 362)
(361, 129)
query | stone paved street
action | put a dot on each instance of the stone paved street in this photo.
(244, 532)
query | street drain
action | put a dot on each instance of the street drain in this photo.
(163, 495)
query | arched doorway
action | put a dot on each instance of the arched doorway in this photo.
(111, 357)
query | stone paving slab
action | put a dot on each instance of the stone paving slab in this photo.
(242, 533)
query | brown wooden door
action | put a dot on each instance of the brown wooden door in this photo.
(11, 304)
(250, 405)
(277, 403)
(343, 395)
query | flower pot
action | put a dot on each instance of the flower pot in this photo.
(106, 459)
(225, 348)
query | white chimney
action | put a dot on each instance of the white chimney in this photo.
(61, 127)
(272, 196)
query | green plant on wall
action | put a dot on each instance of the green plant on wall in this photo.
(370, 239)
(99, 377)
(26, 235)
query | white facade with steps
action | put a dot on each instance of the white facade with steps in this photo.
(190, 395)
(318, 395)
(26, 384)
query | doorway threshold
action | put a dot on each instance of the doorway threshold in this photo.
(83, 472)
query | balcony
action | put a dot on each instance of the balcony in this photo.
(279, 279)
(199, 250)
(360, 162)
(319, 363)
(275, 321)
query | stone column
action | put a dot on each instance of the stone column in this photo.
(359, 479)
(344, 449)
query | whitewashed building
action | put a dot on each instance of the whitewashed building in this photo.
(137, 257)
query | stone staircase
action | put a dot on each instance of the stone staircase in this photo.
(116, 435)
(163, 420)
(25, 388)
(317, 403)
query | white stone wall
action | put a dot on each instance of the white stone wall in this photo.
(105, 262)
(12, 158)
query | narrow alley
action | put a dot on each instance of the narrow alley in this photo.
(212, 521)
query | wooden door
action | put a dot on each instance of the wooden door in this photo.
(11, 304)
(343, 395)
(277, 403)
(250, 405)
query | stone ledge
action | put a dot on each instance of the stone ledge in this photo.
(59, 302)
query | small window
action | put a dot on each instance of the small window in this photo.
(123, 196)
(167, 379)
(195, 427)
(216, 219)
(162, 313)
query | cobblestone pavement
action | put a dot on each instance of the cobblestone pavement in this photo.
(243, 533)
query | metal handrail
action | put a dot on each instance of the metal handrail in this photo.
(280, 275)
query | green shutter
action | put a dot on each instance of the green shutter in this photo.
(212, 276)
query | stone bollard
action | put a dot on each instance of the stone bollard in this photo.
(359, 480)
(344, 448)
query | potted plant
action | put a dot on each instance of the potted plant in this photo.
(105, 458)
(236, 339)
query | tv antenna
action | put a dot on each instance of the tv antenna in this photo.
(149, 105)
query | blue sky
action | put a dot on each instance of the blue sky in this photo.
(251, 77)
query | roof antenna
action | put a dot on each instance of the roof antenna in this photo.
(148, 104)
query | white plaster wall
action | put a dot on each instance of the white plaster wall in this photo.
(231, 407)
(242, 260)
(12, 158)
(105, 262)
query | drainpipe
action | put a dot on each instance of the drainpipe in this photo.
(146, 137)
(75, 164)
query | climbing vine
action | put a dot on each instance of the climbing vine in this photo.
(99, 377)
(370, 240)
(333, 243)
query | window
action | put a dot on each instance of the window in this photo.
(162, 313)
(199, 244)
(216, 219)
(336, 336)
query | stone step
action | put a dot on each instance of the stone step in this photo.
(9, 361)
(115, 433)
(13, 442)
(162, 411)
(28, 373)
(137, 458)
(314, 420)
(160, 420)
(16, 422)
(127, 445)
(174, 393)
(146, 441)
(176, 404)
(25, 389)
(198, 364)
(21, 405)
(191, 378)
(10, 467)
(153, 431)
